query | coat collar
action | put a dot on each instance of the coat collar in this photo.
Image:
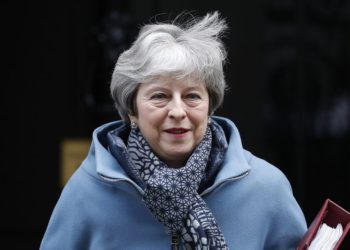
(234, 166)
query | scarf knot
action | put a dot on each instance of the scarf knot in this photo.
(172, 194)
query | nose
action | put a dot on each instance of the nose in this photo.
(177, 109)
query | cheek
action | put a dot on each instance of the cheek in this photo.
(200, 118)
(149, 117)
(200, 114)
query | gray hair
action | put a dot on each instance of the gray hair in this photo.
(191, 49)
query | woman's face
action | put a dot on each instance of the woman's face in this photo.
(172, 116)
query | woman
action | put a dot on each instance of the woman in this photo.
(170, 174)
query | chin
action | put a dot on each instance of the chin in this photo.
(179, 153)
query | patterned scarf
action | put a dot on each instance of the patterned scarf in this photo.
(172, 194)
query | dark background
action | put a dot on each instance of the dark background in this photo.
(288, 71)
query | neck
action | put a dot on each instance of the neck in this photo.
(175, 163)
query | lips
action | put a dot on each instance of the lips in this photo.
(177, 130)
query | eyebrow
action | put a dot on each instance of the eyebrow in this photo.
(194, 88)
(156, 86)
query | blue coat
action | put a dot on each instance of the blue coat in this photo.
(101, 207)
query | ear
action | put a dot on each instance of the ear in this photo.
(133, 118)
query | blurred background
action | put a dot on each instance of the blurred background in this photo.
(288, 71)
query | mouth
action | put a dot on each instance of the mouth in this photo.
(176, 130)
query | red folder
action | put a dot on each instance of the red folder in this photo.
(331, 214)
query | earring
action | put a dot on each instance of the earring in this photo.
(133, 125)
(209, 120)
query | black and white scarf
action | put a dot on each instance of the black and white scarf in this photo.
(172, 194)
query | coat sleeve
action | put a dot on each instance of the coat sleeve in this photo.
(68, 227)
(287, 221)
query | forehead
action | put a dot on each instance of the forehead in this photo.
(173, 83)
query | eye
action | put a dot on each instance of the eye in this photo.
(193, 96)
(158, 96)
